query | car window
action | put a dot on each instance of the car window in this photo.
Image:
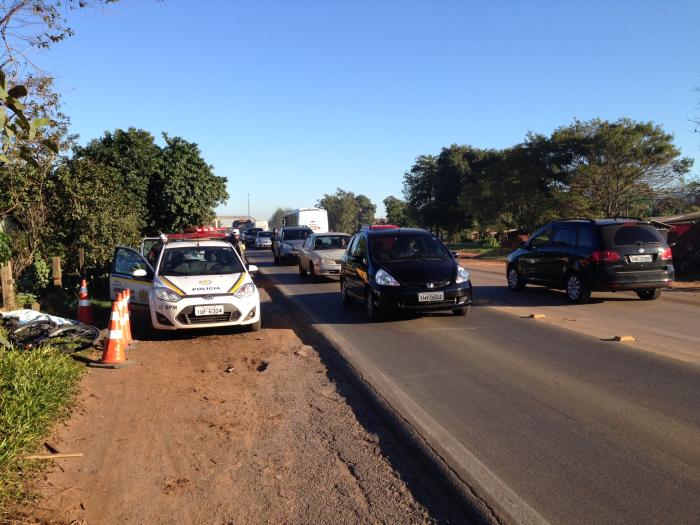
(586, 237)
(126, 261)
(360, 249)
(331, 242)
(351, 246)
(295, 235)
(564, 237)
(629, 235)
(407, 246)
(542, 239)
(199, 260)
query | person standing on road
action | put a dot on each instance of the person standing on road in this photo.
(237, 244)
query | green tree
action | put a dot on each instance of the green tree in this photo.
(185, 191)
(365, 211)
(137, 163)
(276, 218)
(90, 214)
(618, 167)
(347, 212)
(396, 211)
(420, 188)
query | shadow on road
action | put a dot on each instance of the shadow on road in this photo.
(537, 296)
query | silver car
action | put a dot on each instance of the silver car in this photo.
(321, 253)
(263, 240)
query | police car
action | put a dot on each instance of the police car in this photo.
(192, 280)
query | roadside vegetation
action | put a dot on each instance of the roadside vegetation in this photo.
(37, 389)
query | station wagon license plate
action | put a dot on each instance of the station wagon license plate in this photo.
(431, 297)
(640, 258)
(215, 309)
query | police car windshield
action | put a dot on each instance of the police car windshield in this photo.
(199, 260)
(407, 247)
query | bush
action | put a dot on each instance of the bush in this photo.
(37, 388)
(491, 242)
(36, 278)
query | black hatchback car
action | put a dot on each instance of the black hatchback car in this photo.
(584, 255)
(394, 269)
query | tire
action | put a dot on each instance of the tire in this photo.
(255, 327)
(344, 297)
(302, 272)
(374, 313)
(73, 338)
(31, 334)
(460, 312)
(577, 291)
(312, 272)
(515, 280)
(650, 294)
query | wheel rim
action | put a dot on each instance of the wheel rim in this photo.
(573, 287)
(513, 278)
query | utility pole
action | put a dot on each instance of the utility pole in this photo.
(248, 204)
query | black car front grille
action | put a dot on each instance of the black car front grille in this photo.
(424, 285)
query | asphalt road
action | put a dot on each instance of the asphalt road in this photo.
(543, 422)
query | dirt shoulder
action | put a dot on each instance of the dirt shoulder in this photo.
(232, 428)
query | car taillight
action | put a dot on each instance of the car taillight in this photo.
(605, 256)
(667, 255)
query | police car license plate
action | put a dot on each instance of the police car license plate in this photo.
(640, 258)
(215, 309)
(431, 297)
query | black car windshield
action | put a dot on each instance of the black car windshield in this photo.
(264, 234)
(407, 247)
(331, 242)
(199, 260)
(296, 235)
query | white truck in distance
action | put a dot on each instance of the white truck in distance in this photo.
(315, 218)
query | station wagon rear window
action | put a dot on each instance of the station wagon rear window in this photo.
(630, 235)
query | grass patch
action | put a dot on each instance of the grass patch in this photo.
(36, 390)
(472, 246)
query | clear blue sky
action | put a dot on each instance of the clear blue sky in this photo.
(291, 99)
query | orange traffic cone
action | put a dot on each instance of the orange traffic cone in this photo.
(126, 322)
(114, 354)
(84, 306)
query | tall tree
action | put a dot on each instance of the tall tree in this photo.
(396, 212)
(420, 190)
(89, 213)
(277, 217)
(619, 166)
(137, 163)
(365, 211)
(185, 191)
(342, 210)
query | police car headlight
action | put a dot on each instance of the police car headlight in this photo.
(462, 275)
(245, 291)
(384, 279)
(165, 294)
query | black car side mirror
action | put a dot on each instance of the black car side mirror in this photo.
(455, 254)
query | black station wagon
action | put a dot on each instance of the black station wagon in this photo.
(584, 255)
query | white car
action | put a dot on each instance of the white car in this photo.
(321, 253)
(263, 240)
(188, 283)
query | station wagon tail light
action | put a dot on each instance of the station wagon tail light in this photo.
(667, 255)
(605, 256)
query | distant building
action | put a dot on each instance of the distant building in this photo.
(226, 221)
